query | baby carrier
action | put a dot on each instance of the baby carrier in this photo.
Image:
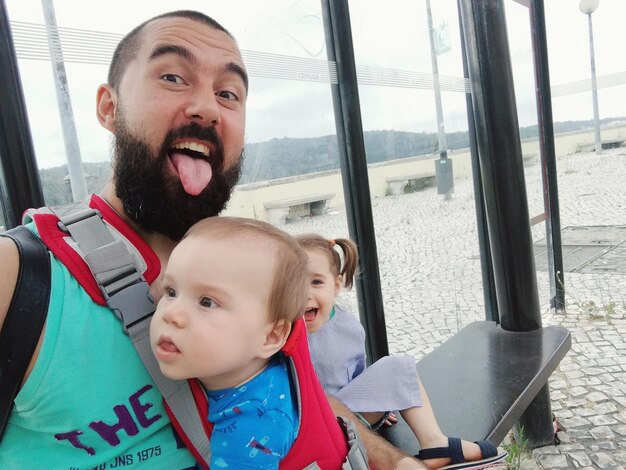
(93, 243)
(319, 432)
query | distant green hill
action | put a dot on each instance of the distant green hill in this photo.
(278, 158)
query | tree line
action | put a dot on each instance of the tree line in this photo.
(279, 158)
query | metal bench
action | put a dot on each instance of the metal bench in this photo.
(400, 184)
(606, 144)
(482, 379)
(284, 210)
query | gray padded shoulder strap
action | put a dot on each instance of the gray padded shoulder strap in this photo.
(124, 288)
(128, 295)
(357, 455)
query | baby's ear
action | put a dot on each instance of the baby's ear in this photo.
(275, 338)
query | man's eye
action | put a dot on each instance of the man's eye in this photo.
(208, 302)
(170, 77)
(228, 95)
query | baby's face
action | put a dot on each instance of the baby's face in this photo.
(323, 288)
(212, 320)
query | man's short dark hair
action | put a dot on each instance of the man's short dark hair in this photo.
(128, 46)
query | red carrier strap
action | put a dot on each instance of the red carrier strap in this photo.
(100, 256)
(319, 431)
(321, 441)
(202, 406)
(62, 245)
(103, 259)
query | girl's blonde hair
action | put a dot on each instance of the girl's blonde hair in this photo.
(289, 291)
(347, 270)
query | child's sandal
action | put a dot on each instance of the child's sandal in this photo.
(454, 452)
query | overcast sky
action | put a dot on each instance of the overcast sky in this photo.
(390, 35)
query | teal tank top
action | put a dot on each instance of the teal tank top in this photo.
(88, 403)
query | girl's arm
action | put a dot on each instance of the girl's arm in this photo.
(360, 356)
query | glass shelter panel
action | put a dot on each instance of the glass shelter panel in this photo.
(591, 195)
(427, 242)
(426, 232)
(522, 63)
(290, 173)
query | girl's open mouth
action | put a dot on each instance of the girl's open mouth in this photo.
(310, 314)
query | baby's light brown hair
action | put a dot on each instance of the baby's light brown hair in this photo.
(289, 291)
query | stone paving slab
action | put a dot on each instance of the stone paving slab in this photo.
(589, 249)
(432, 286)
(609, 235)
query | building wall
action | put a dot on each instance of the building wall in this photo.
(248, 199)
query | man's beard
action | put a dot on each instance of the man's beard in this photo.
(154, 197)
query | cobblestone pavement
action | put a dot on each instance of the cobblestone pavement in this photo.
(432, 287)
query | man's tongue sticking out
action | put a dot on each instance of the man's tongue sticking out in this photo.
(194, 173)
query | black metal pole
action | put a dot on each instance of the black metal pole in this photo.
(354, 173)
(501, 164)
(502, 171)
(489, 289)
(548, 153)
(22, 186)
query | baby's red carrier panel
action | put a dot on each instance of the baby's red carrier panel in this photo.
(320, 438)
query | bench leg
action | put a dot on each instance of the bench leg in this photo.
(277, 216)
(536, 422)
(397, 187)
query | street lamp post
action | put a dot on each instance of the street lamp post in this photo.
(77, 182)
(443, 166)
(441, 132)
(588, 7)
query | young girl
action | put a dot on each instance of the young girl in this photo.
(337, 345)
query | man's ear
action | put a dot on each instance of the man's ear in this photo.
(275, 338)
(106, 106)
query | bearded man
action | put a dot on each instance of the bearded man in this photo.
(175, 101)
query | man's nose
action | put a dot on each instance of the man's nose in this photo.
(204, 108)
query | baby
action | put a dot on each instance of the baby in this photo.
(233, 289)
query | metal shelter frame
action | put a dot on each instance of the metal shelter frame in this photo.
(509, 279)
